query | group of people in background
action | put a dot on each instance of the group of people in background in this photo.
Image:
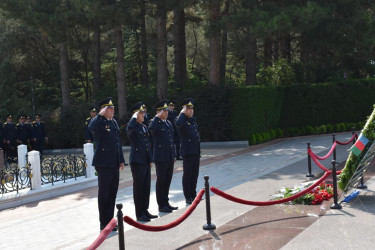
(26, 132)
(163, 139)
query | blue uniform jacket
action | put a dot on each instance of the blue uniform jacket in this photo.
(139, 139)
(22, 133)
(38, 131)
(189, 135)
(88, 134)
(10, 132)
(162, 140)
(108, 151)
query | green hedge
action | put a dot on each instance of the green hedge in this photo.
(257, 108)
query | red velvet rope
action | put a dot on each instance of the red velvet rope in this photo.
(354, 137)
(103, 235)
(138, 225)
(326, 156)
(320, 165)
(274, 202)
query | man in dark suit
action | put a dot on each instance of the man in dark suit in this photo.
(190, 149)
(29, 129)
(88, 135)
(22, 132)
(39, 134)
(108, 159)
(140, 162)
(172, 115)
(10, 137)
(164, 154)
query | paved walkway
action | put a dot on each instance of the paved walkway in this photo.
(70, 221)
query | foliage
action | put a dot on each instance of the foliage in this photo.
(280, 73)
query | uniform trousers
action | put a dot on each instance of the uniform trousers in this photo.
(141, 187)
(190, 175)
(108, 181)
(164, 172)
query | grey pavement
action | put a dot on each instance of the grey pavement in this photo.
(71, 221)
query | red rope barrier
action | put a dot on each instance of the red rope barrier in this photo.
(187, 213)
(103, 235)
(320, 165)
(354, 137)
(327, 155)
(274, 202)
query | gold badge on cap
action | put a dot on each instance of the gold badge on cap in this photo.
(190, 103)
(110, 103)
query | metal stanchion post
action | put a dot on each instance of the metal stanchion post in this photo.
(209, 225)
(335, 205)
(334, 151)
(120, 222)
(309, 174)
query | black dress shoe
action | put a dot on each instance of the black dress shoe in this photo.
(143, 218)
(151, 216)
(189, 201)
(165, 209)
(172, 208)
(115, 229)
(179, 158)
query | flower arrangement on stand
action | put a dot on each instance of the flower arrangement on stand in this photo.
(314, 197)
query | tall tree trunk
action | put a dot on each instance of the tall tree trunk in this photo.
(145, 80)
(180, 73)
(214, 40)
(267, 52)
(97, 70)
(224, 42)
(251, 47)
(275, 50)
(161, 54)
(64, 81)
(120, 74)
(285, 47)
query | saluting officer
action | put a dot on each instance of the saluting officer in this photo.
(39, 134)
(88, 135)
(140, 162)
(172, 115)
(10, 136)
(108, 159)
(163, 154)
(190, 149)
(22, 133)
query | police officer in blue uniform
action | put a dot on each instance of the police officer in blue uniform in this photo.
(140, 162)
(10, 137)
(39, 134)
(164, 154)
(108, 159)
(29, 129)
(22, 133)
(88, 135)
(172, 115)
(190, 149)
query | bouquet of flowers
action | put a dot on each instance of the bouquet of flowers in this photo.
(314, 197)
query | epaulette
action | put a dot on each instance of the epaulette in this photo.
(88, 118)
(34, 122)
(17, 124)
(5, 123)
